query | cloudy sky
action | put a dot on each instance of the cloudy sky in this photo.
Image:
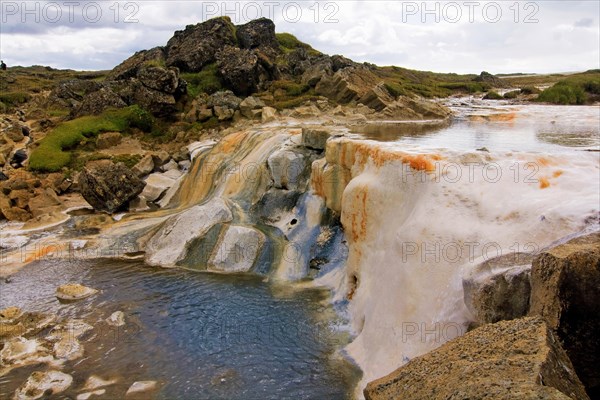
(442, 36)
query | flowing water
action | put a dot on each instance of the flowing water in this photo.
(201, 336)
(496, 179)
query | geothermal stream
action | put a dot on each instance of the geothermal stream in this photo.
(417, 211)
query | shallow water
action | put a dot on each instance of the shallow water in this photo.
(201, 336)
(500, 128)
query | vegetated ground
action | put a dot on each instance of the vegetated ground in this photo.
(70, 143)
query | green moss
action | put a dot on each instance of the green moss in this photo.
(563, 93)
(155, 63)
(205, 81)
(491, 95)
(467, 87)
(52, 153)
(12, 99)
(394, 89)
(128, 159)
(289, 43)
(530, 90)
(291, 88)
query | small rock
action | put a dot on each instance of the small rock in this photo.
(315, 138)
(19, 351)
(15, 133)
(160, 158)
(95, 382)
(108, 139)
(68, 348)
(268, 114)
(144, 167)
(116, 319)
(9, 314)
(138, 205)
(156, 185)
(41, 383)
(250, 104)
(140, 386)
(74, 291)
(87, 395)
(185, 165)
(170, 165)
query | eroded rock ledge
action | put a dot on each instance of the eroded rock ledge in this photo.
(514, 359)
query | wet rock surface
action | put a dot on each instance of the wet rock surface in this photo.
(499, 288)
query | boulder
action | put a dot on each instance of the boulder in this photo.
(18, 158)
(286, 168)
(14, 132)
(45, 203)
(130, 67)
(156, 186)
(74, 291)
(224, 113)
(407, 108)
(171, 165)
(169, 244)
(144, 167)
(348, 84)
(108, 139)
(244, 71)
(268, 114)
(40, 384)
(249, 104)
(565, 291)
(157, 78)
(499, 288)
(108, 186)
(160, 158)
(224, 99)
(513, 359)
(197, 46)
(96, 102)
(315, 139)
(11, 213)
(237, 250)
(259, 33)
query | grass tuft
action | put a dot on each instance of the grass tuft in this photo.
(53, 152)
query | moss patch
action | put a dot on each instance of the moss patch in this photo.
(205, 81)
(53, 152)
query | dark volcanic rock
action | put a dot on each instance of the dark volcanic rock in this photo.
(492, 80)
(257, 33)
(130, 67)
(518, 359)
(108, 186)
(161, 79)
(96, 102)
(565, 290)
(197, 46)
(245, 71)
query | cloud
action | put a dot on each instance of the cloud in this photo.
(584, 23)
(493, 36)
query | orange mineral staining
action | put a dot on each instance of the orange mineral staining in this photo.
(557, 173)
(544, 183)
